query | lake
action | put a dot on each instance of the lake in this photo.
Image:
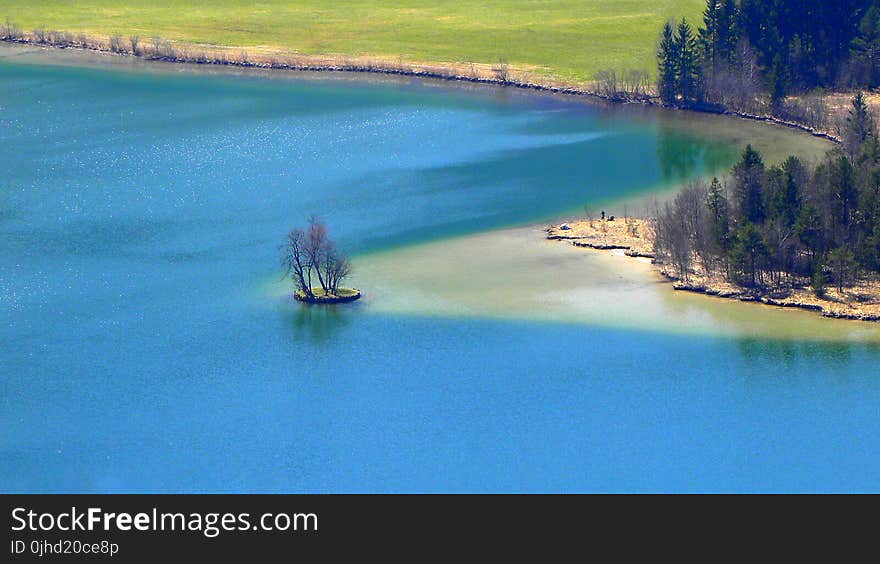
(148, 344)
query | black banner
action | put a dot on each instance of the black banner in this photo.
(126, 528)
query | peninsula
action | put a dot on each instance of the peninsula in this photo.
(789, 235)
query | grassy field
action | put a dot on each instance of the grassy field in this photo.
(566, 39)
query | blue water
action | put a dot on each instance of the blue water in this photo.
(140, 215)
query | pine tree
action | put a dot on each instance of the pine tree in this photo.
(866, 47)
(727, 32)
(751, 21)
(748, 177)
(667, 56)
(747, 254)
(844, 198)
(783, 198)
(809, 232)
(859, 126)
(709, 35)
(778, 79)
(719, 216)
(688, 75)
(843, 264)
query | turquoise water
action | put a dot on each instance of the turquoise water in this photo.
(140, 215)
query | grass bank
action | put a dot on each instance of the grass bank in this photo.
(568, 40)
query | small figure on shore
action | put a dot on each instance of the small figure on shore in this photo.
(603, 215)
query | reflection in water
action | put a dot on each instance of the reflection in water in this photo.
(681, 155)
(145, 209)
(316, 324)
(794, 354)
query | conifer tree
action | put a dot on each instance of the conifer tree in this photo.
(667, 57)
(688, 75)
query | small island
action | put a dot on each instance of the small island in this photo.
(308, 255)
(319, 296)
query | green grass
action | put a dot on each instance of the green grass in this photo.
(567, 39)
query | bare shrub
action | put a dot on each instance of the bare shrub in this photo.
(502, 72)
(809, 109)
(10, 31)
(629, 85)
(606, 83)
(135, 44)
(116, 44)
(60, 38)
(636, 83)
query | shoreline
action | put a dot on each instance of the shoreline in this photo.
(349, 65)
(345, 295)
(633, 236)
(471, 73)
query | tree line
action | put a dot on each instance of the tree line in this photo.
(748, 54)
(785, 225)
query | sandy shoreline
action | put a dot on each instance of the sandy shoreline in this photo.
(634, 236)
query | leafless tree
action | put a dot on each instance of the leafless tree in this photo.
(294, 259)
(682, 232)
(135, 41)
(116, 44)
(9, 30)
(309, 252)
(636, 83)
(607, 84)
(502, 72)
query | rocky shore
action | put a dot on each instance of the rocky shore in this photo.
(635, 237)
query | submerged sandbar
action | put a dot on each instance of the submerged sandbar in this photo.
(519, 274)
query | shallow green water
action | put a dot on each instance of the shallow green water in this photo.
(145, 346)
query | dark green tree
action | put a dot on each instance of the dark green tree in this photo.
(748, 177)
(709, 35)
(783, 199)
(844, 199)
(667, 57)
(719, 217)
(747, 254)
(778, 80)
(727, 33)
(688, 75)
(866, 47)
(843, 264)
(859, 126)
(809, 231)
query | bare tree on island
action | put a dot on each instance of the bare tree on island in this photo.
(309, 255)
